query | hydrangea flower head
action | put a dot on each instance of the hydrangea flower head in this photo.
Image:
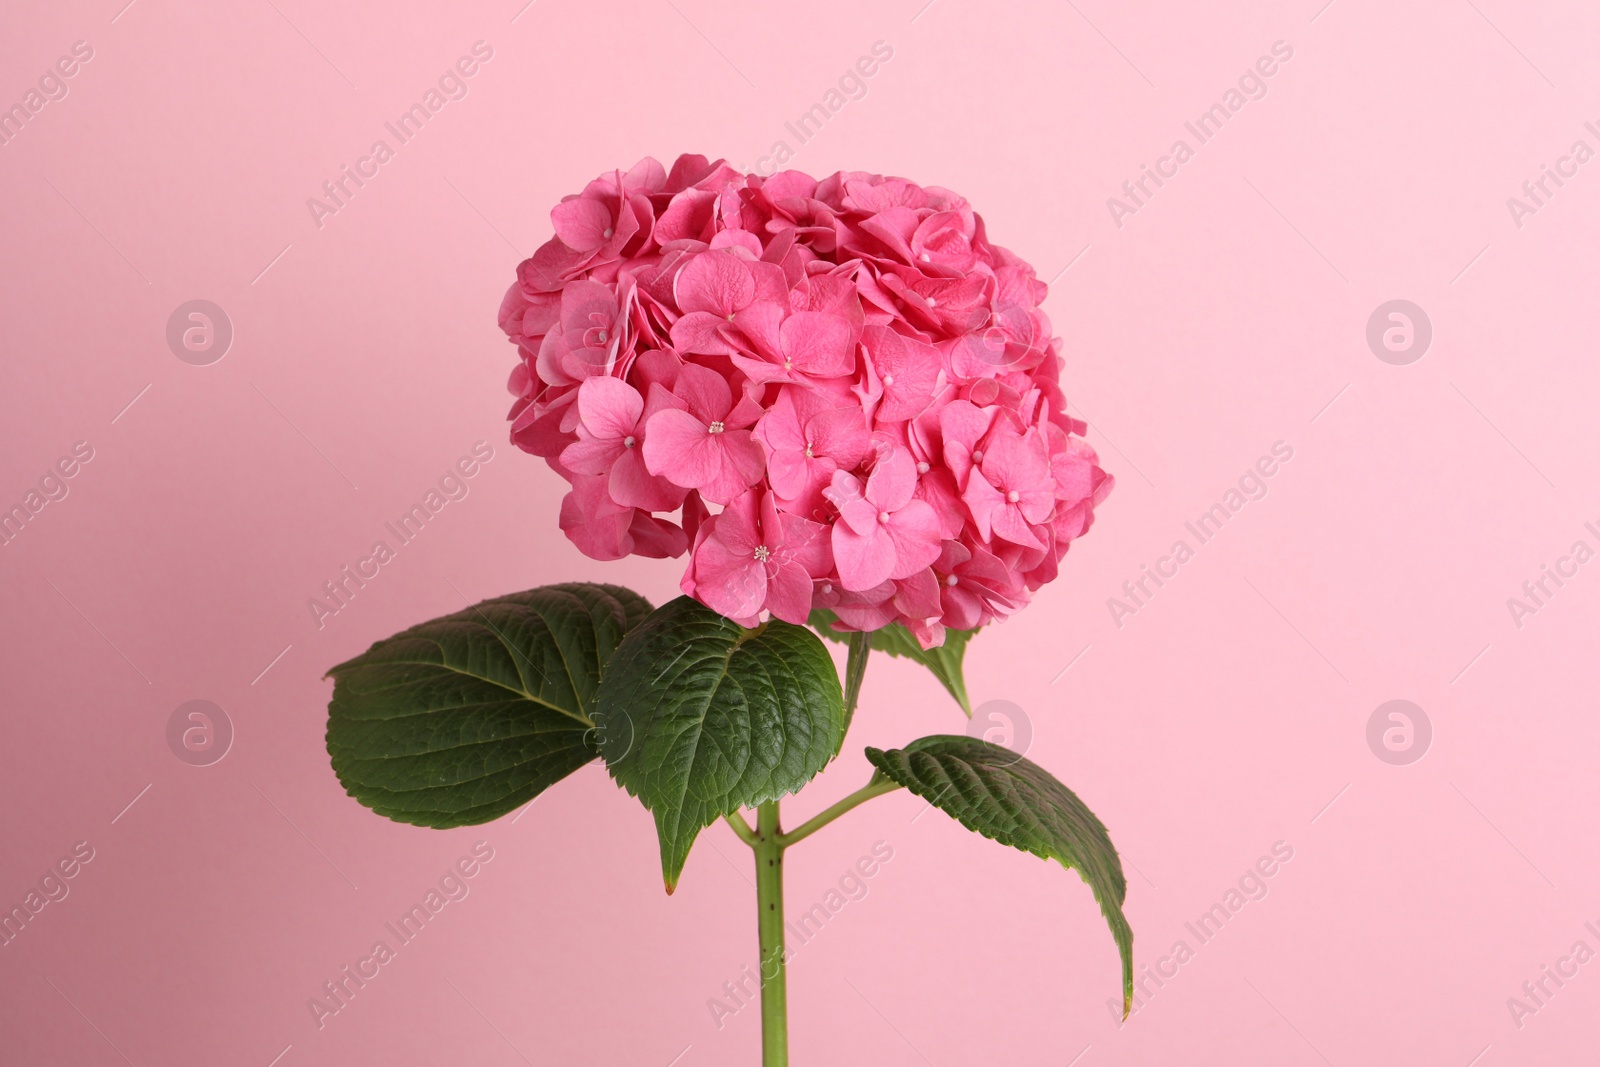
(831, 393)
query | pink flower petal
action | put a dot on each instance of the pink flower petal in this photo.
(983, 500)
(678, 448)
(938, 489)
(656, 538)
(739, 525)
(863, 560)
(818, 344)
(781, 429)
(1013, 462)
(840, 434)
(727, 580)
(632, 485)
(715, 282)
(1008, 523)
(760, 324)
(609, 407)
(893, 479)
(688, 217)
(907, 370)
(740, 466)
(794, 477)
(702, 333)
(962, 425)
(593, 522)
(855, 510)
(582, 223)
(591, 455)
(917, 595)
(788, 595)
(914, 533)
(806, 545)
(705, 392)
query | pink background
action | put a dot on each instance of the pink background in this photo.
(1228, 313)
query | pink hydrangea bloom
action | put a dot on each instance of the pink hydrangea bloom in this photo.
(831, 393)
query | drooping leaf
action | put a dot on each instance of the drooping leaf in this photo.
(994, 792)
(944, 661)
(855, 672)
(464, 718)
(698, 717)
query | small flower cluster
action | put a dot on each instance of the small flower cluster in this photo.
(830, 393)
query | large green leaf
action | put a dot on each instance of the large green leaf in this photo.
(994, 792)
(944, 661)
(699, 717)
(464, 718)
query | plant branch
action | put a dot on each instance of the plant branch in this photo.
(774, 957)
(875, 788)
(742, 828)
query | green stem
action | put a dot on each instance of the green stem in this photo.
(875, 788)
(742, 828)
(768, 841)
(769, 846)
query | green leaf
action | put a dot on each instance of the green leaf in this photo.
(467, 717)
(855, 672)
(995, 792)
(699, 717)
(896, 640)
